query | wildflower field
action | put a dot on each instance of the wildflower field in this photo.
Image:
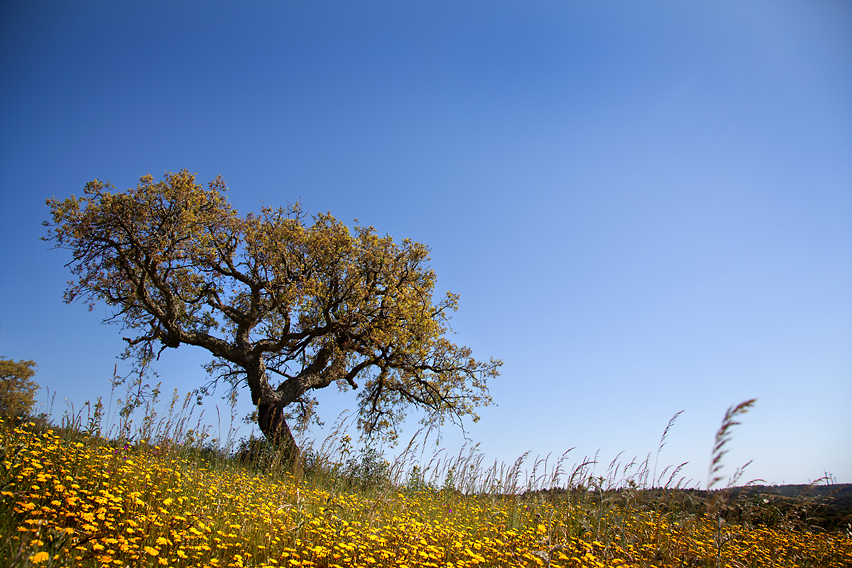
(71, 499)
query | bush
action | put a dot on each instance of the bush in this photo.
(17, 388)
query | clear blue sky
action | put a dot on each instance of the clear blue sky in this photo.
(646, 207)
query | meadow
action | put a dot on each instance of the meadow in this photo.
(165, 494)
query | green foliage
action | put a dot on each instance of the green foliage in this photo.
(17, 388)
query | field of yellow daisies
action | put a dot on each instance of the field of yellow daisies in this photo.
(72, 499)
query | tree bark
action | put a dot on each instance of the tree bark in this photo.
(270, 418)
(270, 407)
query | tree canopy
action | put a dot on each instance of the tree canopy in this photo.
(286, 303)
(17, 388)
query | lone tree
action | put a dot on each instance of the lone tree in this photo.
(271, 295)
(17, 388)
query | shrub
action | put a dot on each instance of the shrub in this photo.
(17, 388)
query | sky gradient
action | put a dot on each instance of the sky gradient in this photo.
(645, 207)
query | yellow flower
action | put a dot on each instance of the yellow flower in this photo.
(39, 557)
(152, 551)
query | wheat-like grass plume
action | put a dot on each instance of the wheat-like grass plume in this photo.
(723, 436)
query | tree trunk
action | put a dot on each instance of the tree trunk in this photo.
(270, 409)
(270, 418)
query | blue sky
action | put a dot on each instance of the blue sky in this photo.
(645, 207)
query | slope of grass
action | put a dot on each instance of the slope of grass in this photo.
(72, 499)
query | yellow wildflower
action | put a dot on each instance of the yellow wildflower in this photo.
(39, 557)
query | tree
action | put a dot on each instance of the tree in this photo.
(271, 295)
(17, 388)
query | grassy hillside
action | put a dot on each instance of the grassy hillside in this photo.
(75, 498)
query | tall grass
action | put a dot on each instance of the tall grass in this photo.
(136, 486)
